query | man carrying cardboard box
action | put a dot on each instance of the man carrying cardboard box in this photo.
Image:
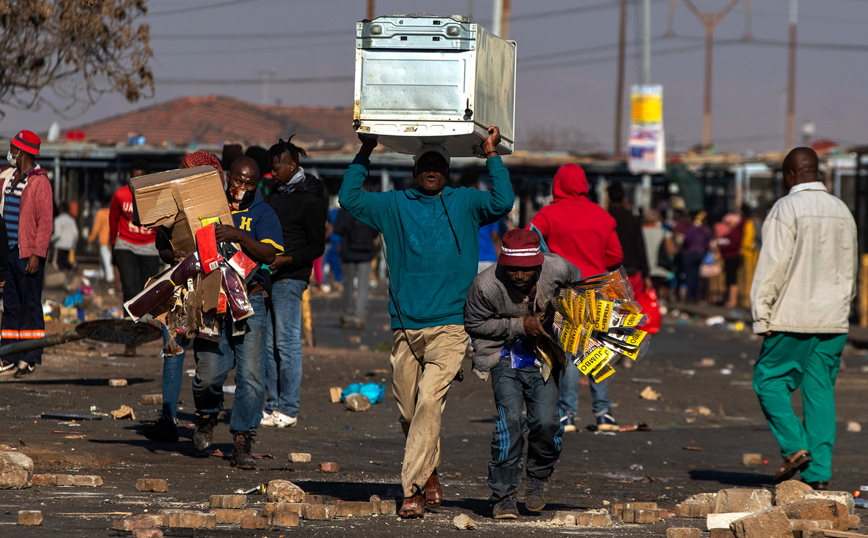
(257, 231)
(432, 235)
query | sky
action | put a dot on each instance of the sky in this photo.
(566, 75)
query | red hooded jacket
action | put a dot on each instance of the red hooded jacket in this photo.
(577, 228)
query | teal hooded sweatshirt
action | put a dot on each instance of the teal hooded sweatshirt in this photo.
(432, 242)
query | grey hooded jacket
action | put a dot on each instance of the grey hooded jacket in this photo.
(494, 311)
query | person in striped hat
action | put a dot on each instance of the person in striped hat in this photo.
(502, 317)
(26, 201)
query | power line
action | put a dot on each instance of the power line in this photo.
(251, 37)
(252, 82)
(200, 8)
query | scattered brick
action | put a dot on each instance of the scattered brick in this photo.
(312, 499)
(701, 498)
(29, 517)
(810, 524)
(829, 510)
(156, 485)
(692, 510)
(811, 533)
(844, 497)
(594, 518)
(720, 533)
(292, 508)
(87, 480)
(44, 480)
(386, 508)
(228, 501)
(253, 522)
(853, 522)
(335, 394)
(299, 457)
(117, 382)
(355, 508)
(328, 467)
(16, 471)
(742, 500)
(751, 459)
(148, 533)
(722, 521)
(188, 519)
(683, 532)
(791, 490)
(283, 519)
(462, 522)
(65, 480)
(233, 516)
(142, 521)
(152, 399)
(767, 523)
(564, 519)
(319, 512)
(283, 491)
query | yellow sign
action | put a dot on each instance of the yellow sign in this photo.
(646, 105)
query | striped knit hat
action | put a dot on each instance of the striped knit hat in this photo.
(27, 141)
(520, 249)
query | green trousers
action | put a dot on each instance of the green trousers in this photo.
(789, 361)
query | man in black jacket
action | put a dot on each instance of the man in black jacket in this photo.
(357, 249)
(299, 201)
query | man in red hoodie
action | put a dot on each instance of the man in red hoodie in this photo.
(26, 202)
(584, 234)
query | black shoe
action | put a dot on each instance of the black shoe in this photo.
(504, 509)
(607, 423)
(241, 456)
(537, 494)
(27, 370)
(204, 432)
(164, 430)
(820, 485)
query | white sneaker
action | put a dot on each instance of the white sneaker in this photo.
(267, 419)
(283, 421)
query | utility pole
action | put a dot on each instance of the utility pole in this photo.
(497, 17)
(646, 42)
(619, 92)
(371, 9)
(505, 12)
(710, 21)
(791, 77)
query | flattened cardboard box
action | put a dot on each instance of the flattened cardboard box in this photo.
(180, 200)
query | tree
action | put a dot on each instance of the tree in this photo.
(66, 53)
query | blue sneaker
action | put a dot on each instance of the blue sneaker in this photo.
(568, 421)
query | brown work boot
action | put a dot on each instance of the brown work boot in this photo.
(413, 507)
(433, 493)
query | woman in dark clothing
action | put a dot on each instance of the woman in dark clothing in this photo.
(696, 240)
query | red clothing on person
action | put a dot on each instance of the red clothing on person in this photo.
(121, 220)
(36, 216)
(577, 228)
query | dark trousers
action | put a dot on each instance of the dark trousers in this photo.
(22, 307)
(514, 389)
(135, 271)
(692, 261)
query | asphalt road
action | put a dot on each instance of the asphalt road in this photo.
(688, 450)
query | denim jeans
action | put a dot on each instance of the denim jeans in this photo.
(356, 309)
(283, 348)
(569, 396)
(515, 389)
(244, 353)
(173, 374)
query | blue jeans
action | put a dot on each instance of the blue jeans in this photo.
(569, 396)
(283, 347)
(334, 262)
(244, 353)
(173, 374)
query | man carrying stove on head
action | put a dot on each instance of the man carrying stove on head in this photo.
(502, 316)
(431, 234)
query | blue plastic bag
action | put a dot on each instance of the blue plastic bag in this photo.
(372, 391)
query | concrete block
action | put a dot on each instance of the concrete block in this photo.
(233, 516)
(750, 458)
(283, 491)
(742, 500)
(228, 501)
(44, 480)
(283, 519)
(299, 457)
(142, 521)
(65, 480)
(355, 509)
(722, 521)
(16, 471)
(29, 517)
(87, 480)
(829, 510)
(564, 519)
(791, 490)
(155, 485)
(152, 399)
(328, 467)
(188, 519)
(253, 522)
(683, 532)
(117, 382)
(593, 518)
(319, 512)
(844, 497)
(768, 523)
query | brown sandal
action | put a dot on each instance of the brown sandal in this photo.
(413, 507)
(433, 493)
(794, 463)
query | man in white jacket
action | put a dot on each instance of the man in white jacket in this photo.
(801, 295)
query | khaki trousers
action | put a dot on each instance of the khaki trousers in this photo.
(420, 388)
